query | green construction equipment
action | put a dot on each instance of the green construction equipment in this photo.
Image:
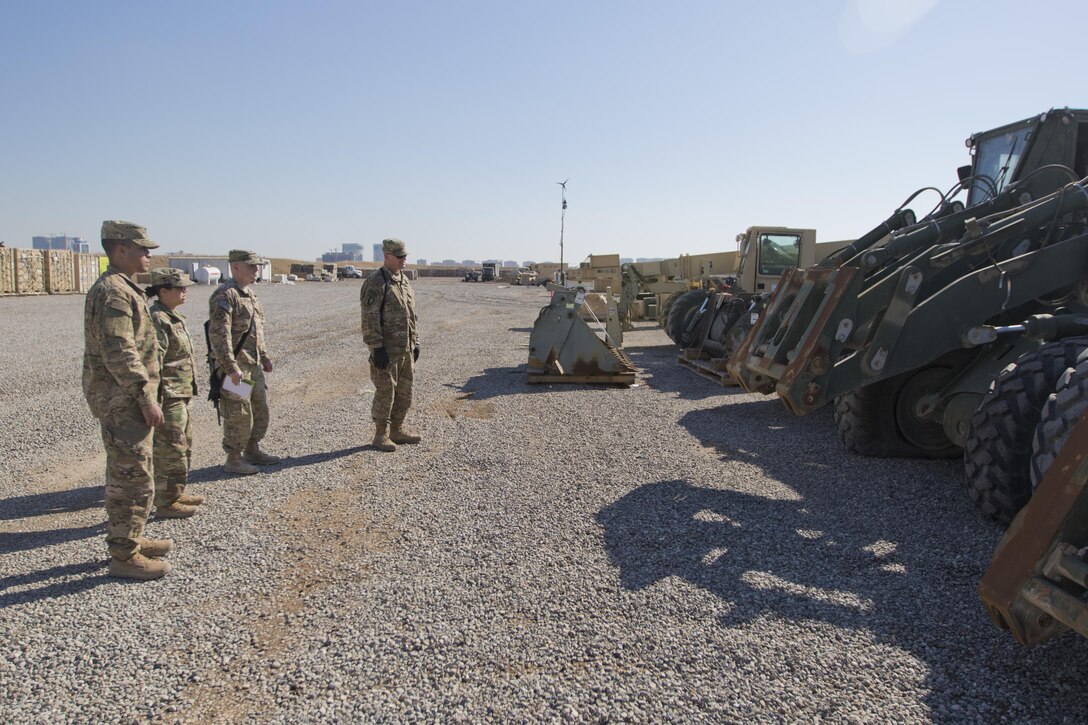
(1037, 583)
(944, 337)
(708, 326)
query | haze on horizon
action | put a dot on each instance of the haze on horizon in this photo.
(292, 128)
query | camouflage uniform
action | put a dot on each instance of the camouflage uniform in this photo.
(389, 321)
(120, 379)
(174, 438)
(231, 311)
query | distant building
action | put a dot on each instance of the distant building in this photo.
(420, 262)
(492, 261)
(449, 262)
(332, 257)
(626, 260)
(510, 263)
(469, 262)
(648, 259)
(528, 263)
(71, 244)
(379, 255)
(353, 249)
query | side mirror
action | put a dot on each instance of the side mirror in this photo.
(963, 172)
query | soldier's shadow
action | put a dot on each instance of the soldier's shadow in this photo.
(210, 474)
(54, 502)
(88, 578)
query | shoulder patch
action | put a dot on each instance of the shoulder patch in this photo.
(118, 304)
(220, 313)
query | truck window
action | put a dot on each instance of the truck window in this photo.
(778, 252)
(997, 158)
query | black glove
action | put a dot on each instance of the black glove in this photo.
(380, 358)
(415, 354)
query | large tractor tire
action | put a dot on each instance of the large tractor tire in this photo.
(1062, 411)
(680, 314)
(879, 419)
(998, 451)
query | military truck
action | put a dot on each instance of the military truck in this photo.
(945, 337)
(489, 272)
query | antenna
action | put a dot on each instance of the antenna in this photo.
(562, 222)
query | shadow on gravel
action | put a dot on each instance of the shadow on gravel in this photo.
(893, 549)
(90, 569)
(27, 540)
(493, 382)
(55, 502)
(659, 369)
(210, 474)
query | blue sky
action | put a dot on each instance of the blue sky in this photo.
(292, 127)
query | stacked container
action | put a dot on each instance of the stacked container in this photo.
(86, 270)
(7, 271)
(29, 271)
(60, 273)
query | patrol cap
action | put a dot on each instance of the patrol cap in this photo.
(127, 232)
(170, 277)
(243, 255)
(395, 247)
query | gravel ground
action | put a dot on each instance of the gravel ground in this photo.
(670, 552)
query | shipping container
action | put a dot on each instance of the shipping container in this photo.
(60, 272)
(7, 271)
(85, 267)
(29, 271)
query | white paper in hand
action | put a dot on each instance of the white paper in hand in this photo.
(242, 389)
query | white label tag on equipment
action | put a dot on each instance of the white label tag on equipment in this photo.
(755, 316)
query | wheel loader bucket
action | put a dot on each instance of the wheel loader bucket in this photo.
(1038, 578)
(564, 349)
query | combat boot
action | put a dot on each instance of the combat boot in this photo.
(398, 434)
(235, 464)
(139, 567)
(190, 499)
(174, 511)
(381, 439)
(155, 548)
(257, 457)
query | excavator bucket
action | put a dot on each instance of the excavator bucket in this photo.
(564, 349)
(1038, 578)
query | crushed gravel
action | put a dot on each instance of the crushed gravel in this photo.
(672, 551)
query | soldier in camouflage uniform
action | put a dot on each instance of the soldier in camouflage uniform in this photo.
(121, 384)
(234, 311)
(389, 331)
(174, 438)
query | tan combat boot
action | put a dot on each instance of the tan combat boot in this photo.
(257, 457)
(174, 511)
(398, 434)
(381, 438)
(190, 499)
(155, 548)
(235, 464)
(139, 567)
